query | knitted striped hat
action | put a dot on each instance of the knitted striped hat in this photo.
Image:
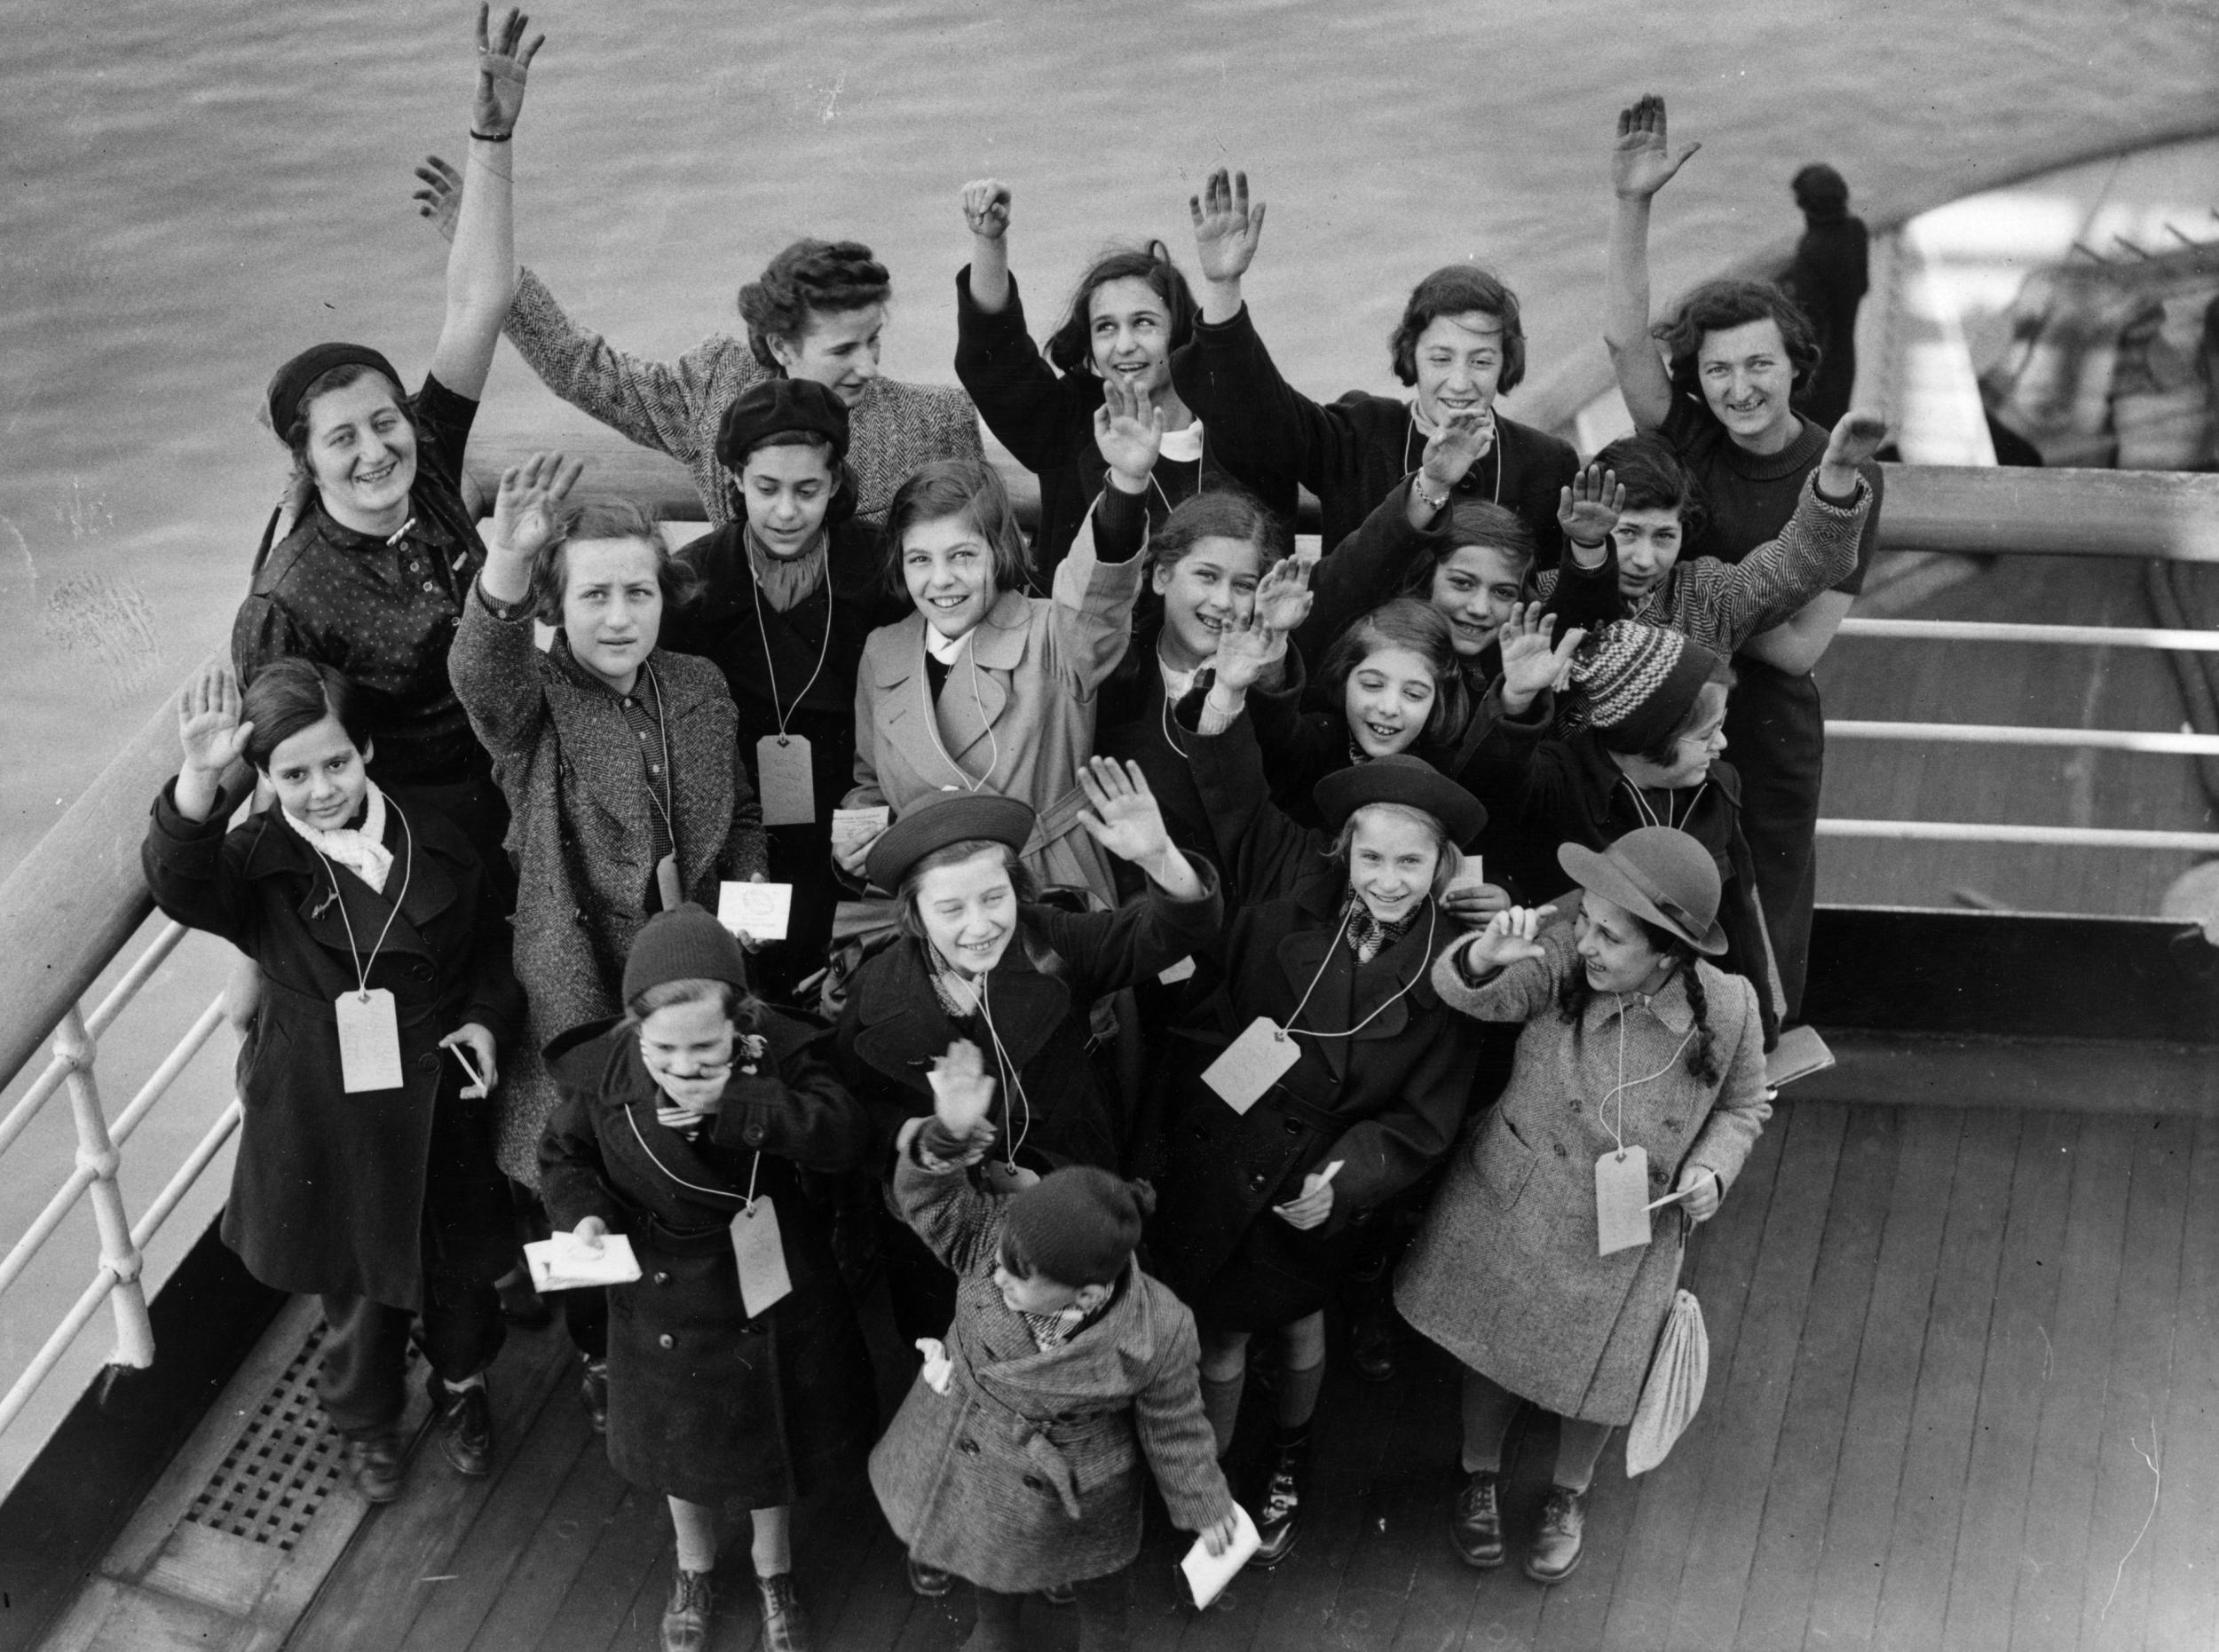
(1637, 682)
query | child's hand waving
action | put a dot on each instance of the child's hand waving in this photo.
(1284, 596)
(208, 722)
(1129, 432)
(1529, 664)
(1589, 508)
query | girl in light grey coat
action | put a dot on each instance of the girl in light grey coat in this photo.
(1633, 1044)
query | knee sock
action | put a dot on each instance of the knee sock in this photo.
(1579, 1447)
(773, 1547)
(1488, 1409)
(1299, 1387)
(695, 1524)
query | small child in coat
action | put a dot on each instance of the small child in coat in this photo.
(1016, 1461)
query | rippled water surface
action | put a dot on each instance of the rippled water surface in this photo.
(193, 189)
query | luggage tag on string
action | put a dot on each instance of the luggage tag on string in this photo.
(784, 783)
(1622, 1174)
(757, 1249)
(369, 1026)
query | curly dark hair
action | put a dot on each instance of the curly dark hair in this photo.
(1654, 480)
(1573, 993)
(808, 277)
(1719, 306)
(1404, 622)
(1070, 347)
(1457, 289)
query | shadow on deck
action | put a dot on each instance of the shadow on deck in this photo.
(1950, 1353)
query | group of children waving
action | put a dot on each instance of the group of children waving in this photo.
(1171, 929)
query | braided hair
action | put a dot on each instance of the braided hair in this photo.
(1573, 993)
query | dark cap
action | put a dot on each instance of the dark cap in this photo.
(684, 944)
(1658, 872)
(292, 380)
(1077, 1226)
(773, 406)
(942, 819)
(1402, 778)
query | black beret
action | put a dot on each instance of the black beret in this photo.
(946, 818)
(293, 379)
(1401, 778)
(771, 407)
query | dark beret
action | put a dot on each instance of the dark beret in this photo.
(773, 406)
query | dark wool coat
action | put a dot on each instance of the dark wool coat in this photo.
(357, 1194)
(580, 829)
(1505, 1274)
(1387, 1102)
(705, 1401)
(1066, 1110)
(1350, 452)
(1046, 419)
(1027, 1472)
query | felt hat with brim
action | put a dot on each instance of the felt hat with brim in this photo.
(290, 382)
(1657, 873)
(1402, 778)
(949, 818)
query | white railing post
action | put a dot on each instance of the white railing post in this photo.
(97, 1158)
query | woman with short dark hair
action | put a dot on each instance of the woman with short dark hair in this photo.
(1459, 343)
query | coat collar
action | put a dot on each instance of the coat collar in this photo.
(1670, 1005)
(1110, 1357)
(903, 1026)
(1316, 951)
(421, 855)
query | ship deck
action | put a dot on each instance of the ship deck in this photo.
(1962, 1384)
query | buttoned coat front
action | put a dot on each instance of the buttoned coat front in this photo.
(580, 828)
(1028, 1472)
(1504, 1274)
(1017, 714)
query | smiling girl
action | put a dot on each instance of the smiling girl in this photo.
(1131, 310)
(1459, 344)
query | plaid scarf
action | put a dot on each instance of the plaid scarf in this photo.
(1368, 937)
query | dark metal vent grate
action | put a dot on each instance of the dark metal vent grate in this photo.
(283, 1464)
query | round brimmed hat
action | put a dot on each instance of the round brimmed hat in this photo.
(684, 944)
(1636, 682)
(1402, 778)
(1658, 872)
(949, 818)
(291, 382)
(773, 406)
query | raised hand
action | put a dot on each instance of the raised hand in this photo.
(503, 63)
(1507, 939)
(1226, 227)
(1643, 161)
(208, 722)
(986, 208)
(1854, 441)
(961, 1091)
(440, 201)
(1529, 663)
(1284, 596)
(1589, 508)
(529, 506)
(1129, 432)
(1122, 814)
(1457, 445)
(1246, 650)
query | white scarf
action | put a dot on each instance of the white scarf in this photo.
(1183, 446)
(360, 849)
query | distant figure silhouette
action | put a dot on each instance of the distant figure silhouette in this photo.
(1828, 278)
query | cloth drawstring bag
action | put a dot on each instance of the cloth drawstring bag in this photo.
(1673, 1391)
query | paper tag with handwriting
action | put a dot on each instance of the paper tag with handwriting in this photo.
(758, 910)
(850, 826)
(784, 781)
(761, 1256)
(369, 1040)
(1621, 1200)
(1251, 1064)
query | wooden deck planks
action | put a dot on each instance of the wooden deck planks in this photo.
(2183, 1544)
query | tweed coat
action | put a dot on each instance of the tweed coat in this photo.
(1503, 1274)
(677, 408)
(1027, 1472)
(579, 830)
(361, 1193)
(1386, 1101)
(1017, 714)
(706, 1403)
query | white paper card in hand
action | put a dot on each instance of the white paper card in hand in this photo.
(758, 910)
(565, 1263)
(1621, 1200)
(850, 826)
(1207, 1574)
(761, 1258)
(369, 1040)
(668, 890)
(1172, 975)
(784, 781)
(1251, 1064)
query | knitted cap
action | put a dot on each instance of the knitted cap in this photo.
(291, 382)
(684, 944)
(1077, 1226)
(1637, 681)
(773, 406)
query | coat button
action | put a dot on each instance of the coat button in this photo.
(969, 1448)
(1560, 1153)
(662, 1279)
(754, 1135)
(1033, 1482)
(428, 1064)
(1571, 1101)
(666, 1341)
(1256, 1183)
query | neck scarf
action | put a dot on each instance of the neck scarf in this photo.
(1367, 936)
(360, 849)
(786, 580)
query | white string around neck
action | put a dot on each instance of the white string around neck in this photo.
(1433, 913)
(754, 589)
(747, 1199)
(407, 868)
(1617, 1091)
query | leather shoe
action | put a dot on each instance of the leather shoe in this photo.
(1279, 1514)
(1476, 1528)
(784, 1625)
(686, 1616)
(1555, 1550)
(378, 1464)
(927, 1583)
(466, 1427)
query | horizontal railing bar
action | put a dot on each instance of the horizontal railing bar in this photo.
(34, 1237)
(137, 976)
(1971, 831)
(2071, 636)
(43, 1363)
(2011, 734)
(165, 1075)
(27, 1106)
(188, 1172)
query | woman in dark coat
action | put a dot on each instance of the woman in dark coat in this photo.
(1458, 343)
(698, 1105)
(1331, 942)
(786, 593)
(380, 1196)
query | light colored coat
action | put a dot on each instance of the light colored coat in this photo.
(1504, 1274)
(579, 830)
(1017, 716)
(1027, 1472)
